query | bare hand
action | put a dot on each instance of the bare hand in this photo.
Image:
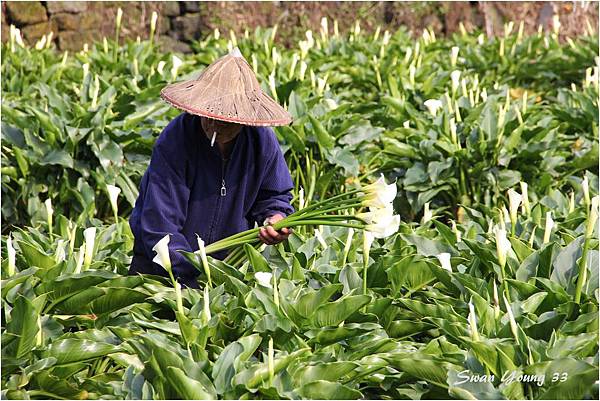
(269, 235)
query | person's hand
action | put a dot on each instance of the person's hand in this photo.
(269, 235)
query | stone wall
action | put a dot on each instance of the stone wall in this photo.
(181, 22)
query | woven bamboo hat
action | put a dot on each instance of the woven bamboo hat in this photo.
(227, 90)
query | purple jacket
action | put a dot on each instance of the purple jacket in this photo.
(189, 189)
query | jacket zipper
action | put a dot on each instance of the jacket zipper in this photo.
(223, 193)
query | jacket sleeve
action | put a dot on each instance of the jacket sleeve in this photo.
(274, 194)
(166, 199)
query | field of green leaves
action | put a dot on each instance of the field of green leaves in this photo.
(489, 289)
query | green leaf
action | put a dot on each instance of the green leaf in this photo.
(308, 303)
(188, 388)
(327, 390)
(23, 325)
(411, 272)
(71, 350)
(35, 257)
(334, 313)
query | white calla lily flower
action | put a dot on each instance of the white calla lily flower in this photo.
(525, 198)
(455, 79)
(433, 105)
(385, 228)
(444, 259)
(206, 315)
(593, 217)
(113, 196)
(585, 187)
(204, 259)
(162, 253)
(80, 257)
(503, 245)
(176, 63)
(454, 55)
(548, 228)
(264, 279)
(514, 201)
(377, 214)
(89, 234)
(49, 213)
(12, 257)
(427, 214)
(379, 194)
(472, 319)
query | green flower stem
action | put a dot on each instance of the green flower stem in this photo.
(251, 236)
(582, 277)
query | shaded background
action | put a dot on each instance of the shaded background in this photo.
(181, 22)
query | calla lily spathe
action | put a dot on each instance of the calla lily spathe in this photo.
(162, 253)
(377, 215)
(89, 235)
(444, 259)
(514, 201)
(204, 259)
(593, 216)
(503, 245)
(585, 187)
(379, 194)
(385, 228)
(113, 196)
(12, 256)
(433, 105)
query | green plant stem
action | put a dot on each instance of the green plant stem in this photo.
(582, 277)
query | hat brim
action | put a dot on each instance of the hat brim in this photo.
(244, 121)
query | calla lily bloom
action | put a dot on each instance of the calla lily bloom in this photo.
(454, 55)
(204, 260)
(585, 187)
(548, 228)
(113, 196)
(472, 319)
(89, 234)
(444, 259)
(514, 201)
(455, 78)
(264, 279)
(525, 198)
(385, 228)
(377, 215)
(427, 214)
(503, 245)
(433, 105)
(593, 217)
(162, 253)
(379, 194)
(176, 62)
(12, 257)
(49, 213)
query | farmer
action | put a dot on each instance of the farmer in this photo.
(216, 169)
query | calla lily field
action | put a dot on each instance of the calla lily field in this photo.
(445, 241)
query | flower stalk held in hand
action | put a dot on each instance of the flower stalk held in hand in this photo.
(379, 220)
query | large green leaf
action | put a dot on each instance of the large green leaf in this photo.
(334, 313)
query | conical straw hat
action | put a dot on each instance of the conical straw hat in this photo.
(227, 90)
